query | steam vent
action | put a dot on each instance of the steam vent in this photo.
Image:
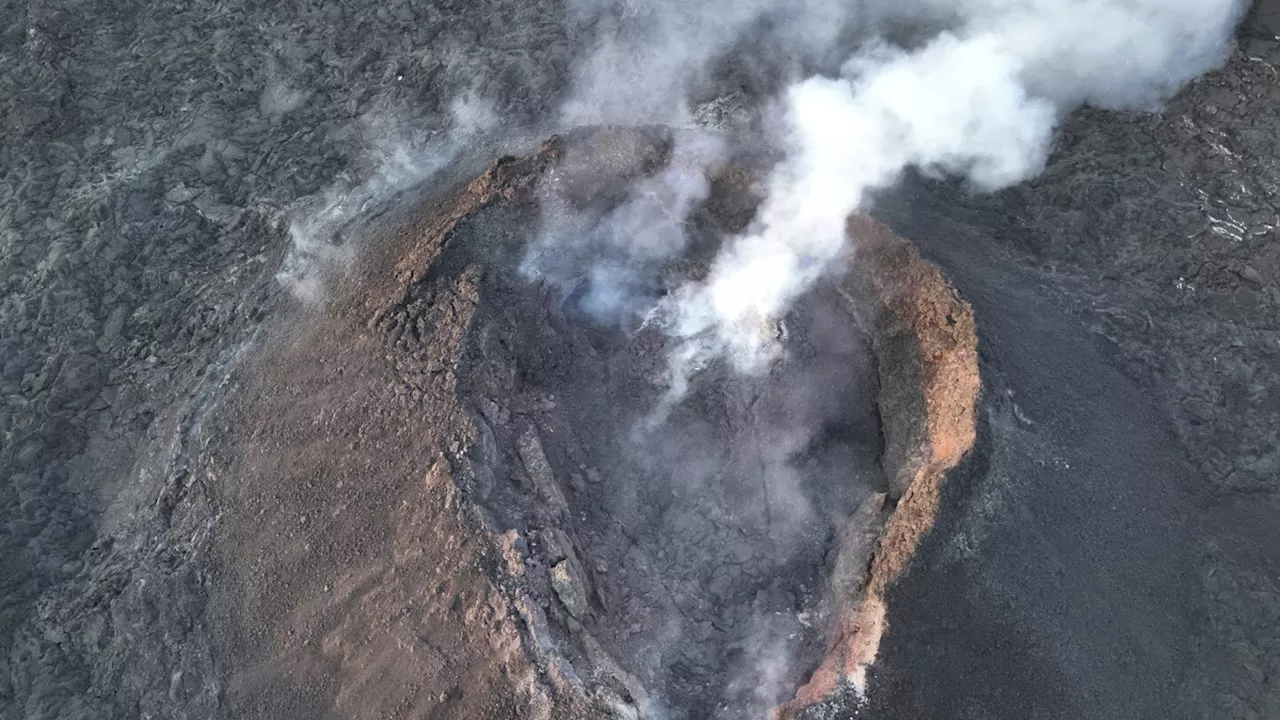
(550, 548)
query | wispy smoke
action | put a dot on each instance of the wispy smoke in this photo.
(400, 159)
(651, 59)
(975, 89)
(979, 99)
(609, 257)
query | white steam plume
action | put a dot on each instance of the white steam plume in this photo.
(979, 100)
(649, 57)
(977, 96)
(611, 258)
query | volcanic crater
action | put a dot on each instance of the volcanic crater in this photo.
(727, 558)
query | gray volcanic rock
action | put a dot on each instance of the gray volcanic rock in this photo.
(1060, 574)
(1108, 550)
(1106, 538)
(147, 155)
(1267, 13)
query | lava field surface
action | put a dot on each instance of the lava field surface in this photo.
(415, 483)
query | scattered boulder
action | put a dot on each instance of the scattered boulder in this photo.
(535, 463)
(570, 584)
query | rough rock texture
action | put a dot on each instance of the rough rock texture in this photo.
(927, 362)
(667, 568)
(432, 360)
(927, 355)
(154, 154)
(150, 155)
(924, 342)
(1160, 233)
(358, 580)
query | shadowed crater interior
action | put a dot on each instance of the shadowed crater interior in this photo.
(684, 562)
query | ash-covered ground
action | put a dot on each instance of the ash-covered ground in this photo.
(154, 156)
